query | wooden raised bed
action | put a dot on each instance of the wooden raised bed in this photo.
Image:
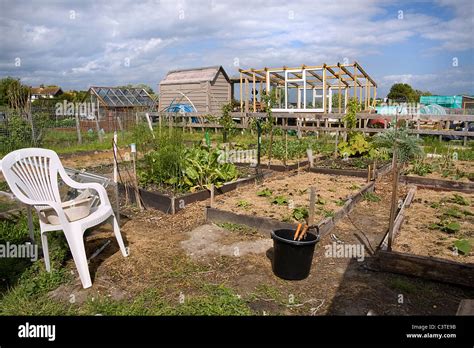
(172, 204)
(432, 268)
(359, 173)
(438, 184)
(265, 224)
(279, 167)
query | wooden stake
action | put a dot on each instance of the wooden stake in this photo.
(369, 173)
(312, 203)
(309, 153)
(393, 207)
(78, 130)
(335, 147)
(97, 126)
(211, 204)
(135, 183)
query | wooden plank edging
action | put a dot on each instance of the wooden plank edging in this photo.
(438, 184)
(431, 268)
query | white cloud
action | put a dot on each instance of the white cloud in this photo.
(156, 36)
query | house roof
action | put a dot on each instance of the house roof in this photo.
(194, 75)
(45, 90)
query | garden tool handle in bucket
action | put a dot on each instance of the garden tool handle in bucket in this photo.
(313, 227)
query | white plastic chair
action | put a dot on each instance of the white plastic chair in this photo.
(32, 175)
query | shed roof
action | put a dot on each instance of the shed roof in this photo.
(194, 75)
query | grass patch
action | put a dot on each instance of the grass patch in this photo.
(238, 228)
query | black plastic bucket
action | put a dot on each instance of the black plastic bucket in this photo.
(292, 259)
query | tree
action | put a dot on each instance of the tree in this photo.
(13, 93)
(402, 92)
(405, 93)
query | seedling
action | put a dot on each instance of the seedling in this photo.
(300, 213)
(328, 213)
(264, 193)
(280, 200)
(446, 226)
(340, 202)
(458, 199)
(463, 245)
(243, 204)
(371, 197)
(453, 212)
(320, 201)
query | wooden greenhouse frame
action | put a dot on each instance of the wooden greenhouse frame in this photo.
(342, 79)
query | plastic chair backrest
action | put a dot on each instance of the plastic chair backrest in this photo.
(32, 174)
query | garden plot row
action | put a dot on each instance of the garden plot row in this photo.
(284, 201)
(433, 237)
(172, 203)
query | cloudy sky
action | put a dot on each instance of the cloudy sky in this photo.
(429, 44)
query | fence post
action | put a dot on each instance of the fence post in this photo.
(78, 129)
(97, 125)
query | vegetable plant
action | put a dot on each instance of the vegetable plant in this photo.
(463, 245)
(266, 192)
(279, 200)
(300, 213)
(183, 168)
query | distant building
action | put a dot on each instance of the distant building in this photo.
(204, 89)
(45, 92)
(448, 101)
(120, 100)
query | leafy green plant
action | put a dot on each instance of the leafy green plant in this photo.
(243, 204)
(266, 192)
(15, 135)
(408, 146)
(452, 212)
(185, 169)
(421, 168)
(356, 145)
(350, 118)
(328, 213)
(446, 226)
(279, 200)
(226, 121)
(458, 199)
(320, 200)
(463, 245)
(300, 213)
(340, 202)
(371, 197)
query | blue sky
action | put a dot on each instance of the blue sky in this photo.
(79, 44)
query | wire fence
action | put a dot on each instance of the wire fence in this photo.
(43, 126)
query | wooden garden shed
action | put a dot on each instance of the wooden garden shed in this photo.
(204, 89)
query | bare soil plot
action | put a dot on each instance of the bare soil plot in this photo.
(278, 197)
(434, 222)
(161, 246)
